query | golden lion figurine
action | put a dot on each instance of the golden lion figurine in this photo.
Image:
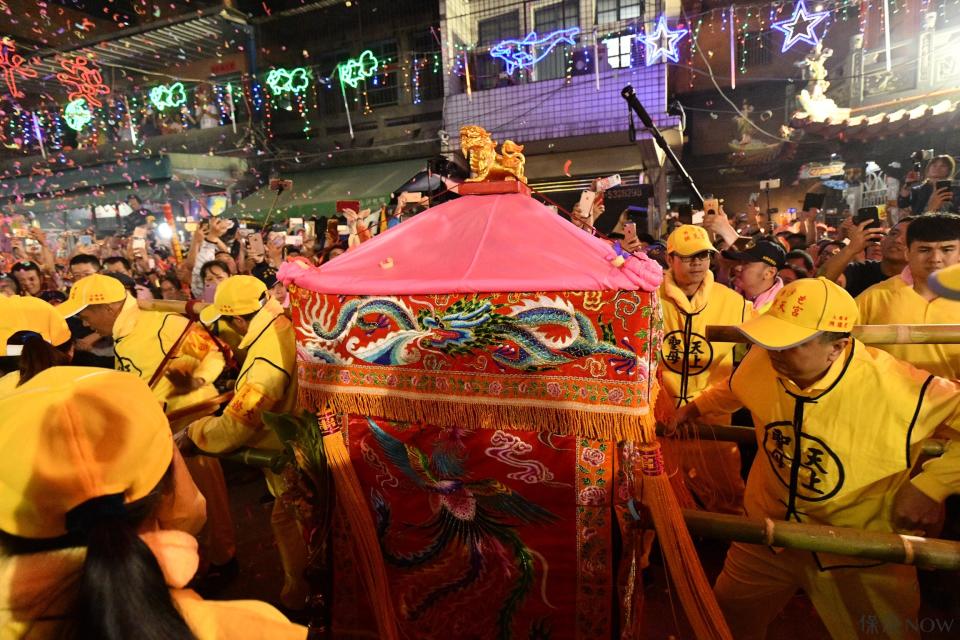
(485, 162)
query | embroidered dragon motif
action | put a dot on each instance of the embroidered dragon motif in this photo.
(534, 335)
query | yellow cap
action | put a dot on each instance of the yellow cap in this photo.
(77, 433)
(802, 309)
(236, 296)
(95, 289)
(946, 282)
(689, 240)
(23, 313)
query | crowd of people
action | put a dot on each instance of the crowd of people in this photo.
(837, 421)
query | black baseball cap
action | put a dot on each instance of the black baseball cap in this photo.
(770, 252)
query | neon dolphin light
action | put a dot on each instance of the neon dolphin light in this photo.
(522, 54)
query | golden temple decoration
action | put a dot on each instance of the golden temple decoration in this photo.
(485, 162)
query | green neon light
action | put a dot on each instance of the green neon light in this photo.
(168, 95)
(288, 80)
(356, 69)
(77, 114)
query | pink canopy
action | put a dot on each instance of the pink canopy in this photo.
(479, 244)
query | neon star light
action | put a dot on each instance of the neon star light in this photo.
(800, 27)
(661, 45)
(166, 96)
(356, 69)
(523, 54)
(282, 80)
(12, 64)
(77, 114)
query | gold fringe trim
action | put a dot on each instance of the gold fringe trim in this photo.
(366, 545)
(606, 423)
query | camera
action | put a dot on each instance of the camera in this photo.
(920, 157)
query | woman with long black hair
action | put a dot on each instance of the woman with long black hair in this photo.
(82, 552)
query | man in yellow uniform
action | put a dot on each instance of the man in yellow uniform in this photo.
(141, 341)
(836, 424)
(933, 243)
(267, 382)
(690, 301)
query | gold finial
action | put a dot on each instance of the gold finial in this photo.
(485, 162)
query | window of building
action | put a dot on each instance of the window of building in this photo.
(620, 51)
(330, 101)
(382, 88)
(546, 20)
(756, 48)
(614, 10)
(487, 69)
(426, 57)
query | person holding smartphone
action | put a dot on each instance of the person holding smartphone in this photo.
(933, 243)
(935, 192)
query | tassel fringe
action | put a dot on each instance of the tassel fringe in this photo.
(691, 583)
(366, 545)
(608, 422)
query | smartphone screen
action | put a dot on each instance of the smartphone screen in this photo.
(86, 241)
(255, 243)
(868, 213)
(711, 205)
(138, 243)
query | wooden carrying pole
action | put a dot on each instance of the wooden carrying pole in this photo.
(868, 333)
(747, 435)
(170, 306)
(928, 553)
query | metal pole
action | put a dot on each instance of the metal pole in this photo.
(346, 105)
(733, 52)
(596, 59)
(630, 96)
(886, 32)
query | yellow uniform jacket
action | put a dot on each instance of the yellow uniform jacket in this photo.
(837, 452)
(34, 603)
(894, 301)
(689, 363)
(142, 339)
(267, 382)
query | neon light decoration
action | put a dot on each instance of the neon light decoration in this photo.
(12, 65)
(800, 26)
(354, 70)
(523, 54)
(76, 114)
(165, 96)
(82, 78)
(661, 45)
(288, 80)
